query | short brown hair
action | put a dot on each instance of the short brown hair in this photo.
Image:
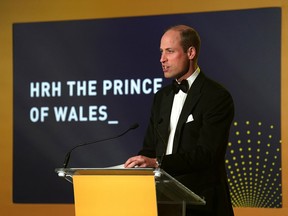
(189, 38)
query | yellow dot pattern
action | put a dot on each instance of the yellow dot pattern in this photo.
(253, 163)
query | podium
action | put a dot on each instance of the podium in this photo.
(136, 191)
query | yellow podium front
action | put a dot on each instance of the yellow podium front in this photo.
(115, 192)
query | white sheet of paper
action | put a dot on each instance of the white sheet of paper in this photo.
(120, 166)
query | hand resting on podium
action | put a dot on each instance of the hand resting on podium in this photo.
(141, 161)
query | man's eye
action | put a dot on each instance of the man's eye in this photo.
(168, 51)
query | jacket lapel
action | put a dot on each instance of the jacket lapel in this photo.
(193, 96)
(164, 117)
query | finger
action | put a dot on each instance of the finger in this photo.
(130, 164)
(130, 160)
(143, 165)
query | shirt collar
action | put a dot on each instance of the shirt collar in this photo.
(193, 76)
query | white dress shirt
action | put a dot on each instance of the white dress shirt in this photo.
(177, 106)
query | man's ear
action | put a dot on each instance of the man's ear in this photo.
(191, 52)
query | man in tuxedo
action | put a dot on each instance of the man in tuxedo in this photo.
(189, 125)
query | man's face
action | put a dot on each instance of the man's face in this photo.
(175, 62)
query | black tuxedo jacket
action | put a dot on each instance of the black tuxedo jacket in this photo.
(199, 147)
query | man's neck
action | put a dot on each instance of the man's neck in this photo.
(191, 70)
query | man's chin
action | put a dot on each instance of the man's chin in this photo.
(168, 76)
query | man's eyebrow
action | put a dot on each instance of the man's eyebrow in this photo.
(169, 48)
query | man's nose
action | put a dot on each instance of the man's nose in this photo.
(163, 58)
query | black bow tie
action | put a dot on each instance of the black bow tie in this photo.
(184, 86)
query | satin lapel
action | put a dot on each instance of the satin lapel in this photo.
(193, 96)
(164, 116)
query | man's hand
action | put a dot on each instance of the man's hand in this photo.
(140, 161)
